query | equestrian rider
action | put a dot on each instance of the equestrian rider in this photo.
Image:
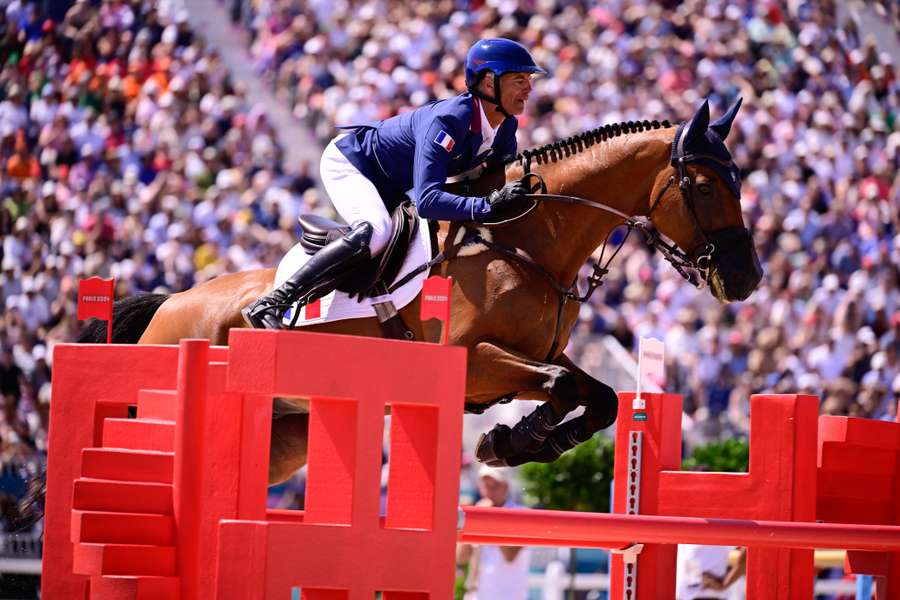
(416, 151)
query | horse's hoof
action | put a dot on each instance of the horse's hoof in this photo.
(488, 450)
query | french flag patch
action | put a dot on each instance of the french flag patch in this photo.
(444, 140)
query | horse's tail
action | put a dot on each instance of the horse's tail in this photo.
(31, 505)
(131, 316)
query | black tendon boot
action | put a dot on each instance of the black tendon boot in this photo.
(318, 277)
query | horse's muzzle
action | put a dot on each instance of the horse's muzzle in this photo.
(736, 269)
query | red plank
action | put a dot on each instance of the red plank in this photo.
(127, 465)
(139, 434)
(123, 559)
(122, 496)
(156, 404)
(122, 528)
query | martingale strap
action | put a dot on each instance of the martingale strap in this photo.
(438, 259)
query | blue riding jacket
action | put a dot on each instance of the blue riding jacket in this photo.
(419, 149)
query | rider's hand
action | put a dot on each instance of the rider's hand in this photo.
(507, 196)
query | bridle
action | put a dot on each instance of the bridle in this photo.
(694, 268)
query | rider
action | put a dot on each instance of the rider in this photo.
(416, 151)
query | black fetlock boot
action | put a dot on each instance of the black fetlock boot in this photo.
(562, 439)
(495, 447)
(316, 278)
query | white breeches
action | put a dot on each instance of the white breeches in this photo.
(354, 197)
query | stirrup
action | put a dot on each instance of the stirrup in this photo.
(269, 316)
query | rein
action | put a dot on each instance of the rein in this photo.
(679, 259)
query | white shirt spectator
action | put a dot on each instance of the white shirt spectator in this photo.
(43, 111)
(87, 136)
(34, 307)
(13, 114)
(499, 579)
(693, 562)
(14, 11)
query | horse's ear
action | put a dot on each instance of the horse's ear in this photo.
(698, 125)
(723, 125)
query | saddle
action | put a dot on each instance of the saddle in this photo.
(372, 277)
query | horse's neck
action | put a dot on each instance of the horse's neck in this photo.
(619, 173)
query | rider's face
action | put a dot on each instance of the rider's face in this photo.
(514, 91)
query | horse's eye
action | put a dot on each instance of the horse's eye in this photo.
(704, 188)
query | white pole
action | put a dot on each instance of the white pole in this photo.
(554, 581)
(638, 403)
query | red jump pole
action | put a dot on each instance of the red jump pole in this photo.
(517, 527)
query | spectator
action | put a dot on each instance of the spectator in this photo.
(706, 573)
(495, 572)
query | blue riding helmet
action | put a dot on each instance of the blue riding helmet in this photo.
(499, 56)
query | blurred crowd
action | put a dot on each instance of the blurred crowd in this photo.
(818, 140)
(127, 151)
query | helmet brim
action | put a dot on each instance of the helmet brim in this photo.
(503, 70)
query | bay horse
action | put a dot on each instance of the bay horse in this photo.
(515, 302)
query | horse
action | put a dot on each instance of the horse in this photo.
(514, 295)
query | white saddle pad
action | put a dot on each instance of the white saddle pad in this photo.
(337, 306)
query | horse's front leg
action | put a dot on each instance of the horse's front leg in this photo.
(498, 372)
(601, 405)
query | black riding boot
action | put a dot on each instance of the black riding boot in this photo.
(316, 278)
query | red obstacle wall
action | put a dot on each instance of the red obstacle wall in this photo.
(149, 494)
(779, 486)
(342, 549)
(87, 388)
(857, 482)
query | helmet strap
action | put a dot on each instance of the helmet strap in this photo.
(495, 99)
(497, 95)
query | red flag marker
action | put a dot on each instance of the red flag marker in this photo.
(95, 299)
(314, 309)
(436, 302)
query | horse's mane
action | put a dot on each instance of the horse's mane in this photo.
(576, 143)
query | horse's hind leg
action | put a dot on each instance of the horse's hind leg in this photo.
(288, 446)
(601, 407)
(497, 372)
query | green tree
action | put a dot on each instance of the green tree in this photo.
(729, 456)
(579, 480)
